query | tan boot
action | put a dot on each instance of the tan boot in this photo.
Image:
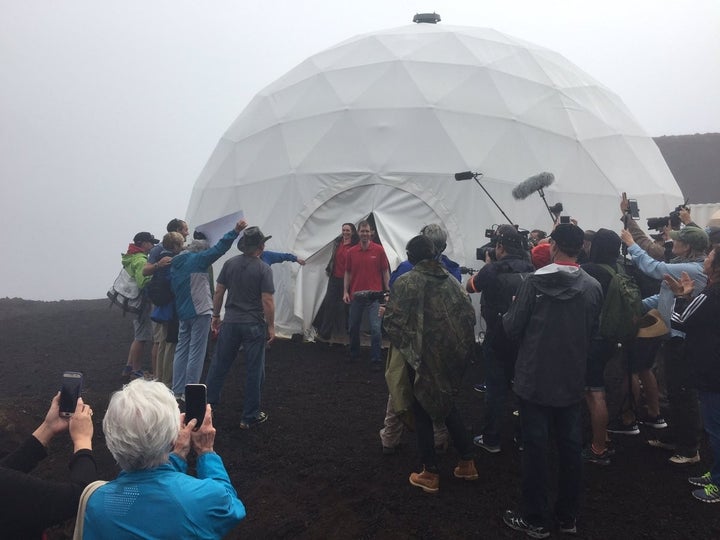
(466, 470)
(427, 481)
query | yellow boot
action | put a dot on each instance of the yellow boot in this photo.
(427, 481)
(466, 470)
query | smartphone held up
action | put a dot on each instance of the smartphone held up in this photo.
(195, 403)
(70, 391)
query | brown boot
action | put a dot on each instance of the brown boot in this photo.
(466, 470)
(427, 481)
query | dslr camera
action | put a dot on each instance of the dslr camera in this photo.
(489, 248)
(659, 223)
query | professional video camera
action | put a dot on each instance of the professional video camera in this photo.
(371, 296)
(489, 248)
(659, 223)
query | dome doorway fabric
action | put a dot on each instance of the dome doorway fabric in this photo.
(381, 122)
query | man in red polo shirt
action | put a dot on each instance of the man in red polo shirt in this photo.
(366, 269)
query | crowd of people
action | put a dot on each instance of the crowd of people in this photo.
(551, 305)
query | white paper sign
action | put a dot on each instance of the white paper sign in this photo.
(217, 228)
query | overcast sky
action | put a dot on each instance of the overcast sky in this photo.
(109, 110)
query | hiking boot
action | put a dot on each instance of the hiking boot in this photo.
(679, 459)
(657, 422)
(568, 527)
(466, 470)
(517, 522)
(427, 481)
(479, 441)
(254, 422)
(617, 427)
(589, 456)
(658, 443)
(701, 481)
(708, 494)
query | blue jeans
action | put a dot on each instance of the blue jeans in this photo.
(357, 307)
(190, 352)
(710, 409)
(252, 336)
(499, 362)
(536, 421)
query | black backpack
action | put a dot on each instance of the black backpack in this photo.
(496, 301)
(158, 288)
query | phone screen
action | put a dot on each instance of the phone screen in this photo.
(70, 392)
(195, 403)
(633, 208)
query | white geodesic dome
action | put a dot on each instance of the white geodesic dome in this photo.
(381, 122)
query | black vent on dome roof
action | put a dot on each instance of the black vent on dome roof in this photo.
(431, 18)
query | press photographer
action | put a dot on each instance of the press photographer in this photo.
(508, 263)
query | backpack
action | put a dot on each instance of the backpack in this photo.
(126, 294)
(158, 288)
(496, 301)
(622, 307)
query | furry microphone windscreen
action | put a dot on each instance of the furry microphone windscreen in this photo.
(535, 183)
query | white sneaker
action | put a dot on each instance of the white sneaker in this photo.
(679, 459)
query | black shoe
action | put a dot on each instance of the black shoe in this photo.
(589, 455)
(619, 428)
(480, 388)
(515, 521)
(657, 422)
(567, 527)
(389, 450)
(254, 422)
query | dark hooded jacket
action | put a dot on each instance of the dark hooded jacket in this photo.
(554, 317)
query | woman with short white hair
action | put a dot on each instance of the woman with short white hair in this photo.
(154, 497)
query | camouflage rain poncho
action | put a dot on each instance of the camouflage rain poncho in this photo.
(430, 321)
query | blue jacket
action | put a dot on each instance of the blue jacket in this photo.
(405, 266)
(273, 257)
(165, 502)
(665, 300)
(190, 281)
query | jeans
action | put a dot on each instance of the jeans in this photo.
(499, 362)
(357, 307)
(537, 420)
(190, 352)
(425, 436)
(710, 408)
(252, 336)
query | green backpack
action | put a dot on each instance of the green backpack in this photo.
(622, 307)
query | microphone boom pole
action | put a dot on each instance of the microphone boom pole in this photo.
(467, 175)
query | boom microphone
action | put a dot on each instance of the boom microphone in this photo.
(467, 175)
(535, 183)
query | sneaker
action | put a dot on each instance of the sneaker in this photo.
(708, 494)
(254, 422)
(679, 459)
(127, 370)
(478, 441)
(657, 422)
(701, 481)
(466, 470)
(481, 388)
(568, 527)
(657, 443)
(589, 456)
(515, 521)
(427, 481)
(617, 427)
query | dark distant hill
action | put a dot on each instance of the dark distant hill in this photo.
(695, 162)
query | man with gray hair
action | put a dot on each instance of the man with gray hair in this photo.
(191, 287)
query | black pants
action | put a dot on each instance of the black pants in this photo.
(684, 410)
(426, 439)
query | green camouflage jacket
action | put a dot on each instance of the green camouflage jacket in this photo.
(429, 320)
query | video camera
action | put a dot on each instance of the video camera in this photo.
(659, 223)
(371, 296)
(489, 248)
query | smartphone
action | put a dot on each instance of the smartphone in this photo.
(70, 392)
(564, 219)
(195, 403)
(633, 208)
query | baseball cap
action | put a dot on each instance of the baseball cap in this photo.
(145, 237)
(252, 238)
(694, 237)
